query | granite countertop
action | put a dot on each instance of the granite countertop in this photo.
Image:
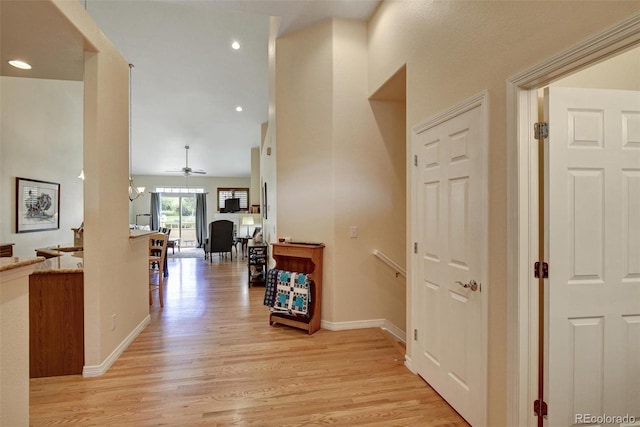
(60, 259)
(68, 262)
(59, 250)
(140, 233)
(9, 263)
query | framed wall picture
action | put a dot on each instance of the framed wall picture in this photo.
(37, 205)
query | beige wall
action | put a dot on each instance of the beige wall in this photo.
(14, 346)
(268, 149)
(304, 120)
(115, 267)
(41, 134)
(454, 50)
(254, 189)
(369, 193)
(336, 170)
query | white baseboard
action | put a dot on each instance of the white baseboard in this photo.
(383, 324)
(101, 369)
(398, 333)
(408, 364)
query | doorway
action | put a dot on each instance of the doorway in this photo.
(524, 176)
(178, 213)
(591, 240)
(449, 288)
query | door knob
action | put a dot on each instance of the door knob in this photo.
(473, 285)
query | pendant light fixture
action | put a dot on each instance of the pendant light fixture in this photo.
(134, 192)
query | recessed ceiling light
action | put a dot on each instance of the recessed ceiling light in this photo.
(235, 45)
(20, 64)
(238, 109)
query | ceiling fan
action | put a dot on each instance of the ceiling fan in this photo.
(186, 170)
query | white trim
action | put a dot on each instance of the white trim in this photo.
(397, 333)
(177, 191)
(408, 363)
(608, 43)
(477, 100)
(391, 263)
(522, 330)
(383, 324)
(522, 242)
(101, 369)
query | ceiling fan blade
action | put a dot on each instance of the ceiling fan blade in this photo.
(186, 170)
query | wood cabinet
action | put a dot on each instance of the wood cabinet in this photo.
(301, 258)
(56, 324)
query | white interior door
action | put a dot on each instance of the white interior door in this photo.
(451, 222)
(592, 244)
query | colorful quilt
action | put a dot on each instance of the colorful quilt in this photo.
(270, 287)
(288, 292)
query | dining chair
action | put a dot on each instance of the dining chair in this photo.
(157, 256)
(167, 231)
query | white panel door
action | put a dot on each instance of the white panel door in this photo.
(592, 244)
(451, 207)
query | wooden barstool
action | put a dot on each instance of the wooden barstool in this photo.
(157, 255)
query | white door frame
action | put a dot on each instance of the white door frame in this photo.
(522, 207)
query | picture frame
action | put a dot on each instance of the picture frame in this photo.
(37, 205)
(264, 201)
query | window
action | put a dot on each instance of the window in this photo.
(179, 190)
(231, 193)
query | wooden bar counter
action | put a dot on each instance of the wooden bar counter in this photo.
(56, 313)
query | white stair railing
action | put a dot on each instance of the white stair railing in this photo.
(399, 270)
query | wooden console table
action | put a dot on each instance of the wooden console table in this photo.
(302, 258)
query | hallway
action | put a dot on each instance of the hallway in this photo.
(210, 358)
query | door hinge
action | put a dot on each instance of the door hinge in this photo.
(415, 335)
(541, 270)
(540, 408)
(415, 160)
(541, 130)
(415, 247)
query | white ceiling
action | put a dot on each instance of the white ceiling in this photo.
(186, 80)
(36, 32)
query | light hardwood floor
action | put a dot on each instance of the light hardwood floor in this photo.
(211, 358)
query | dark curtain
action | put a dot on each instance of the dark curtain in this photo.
(201, 218)
(155, 211)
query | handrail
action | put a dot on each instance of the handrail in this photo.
(390, 263)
